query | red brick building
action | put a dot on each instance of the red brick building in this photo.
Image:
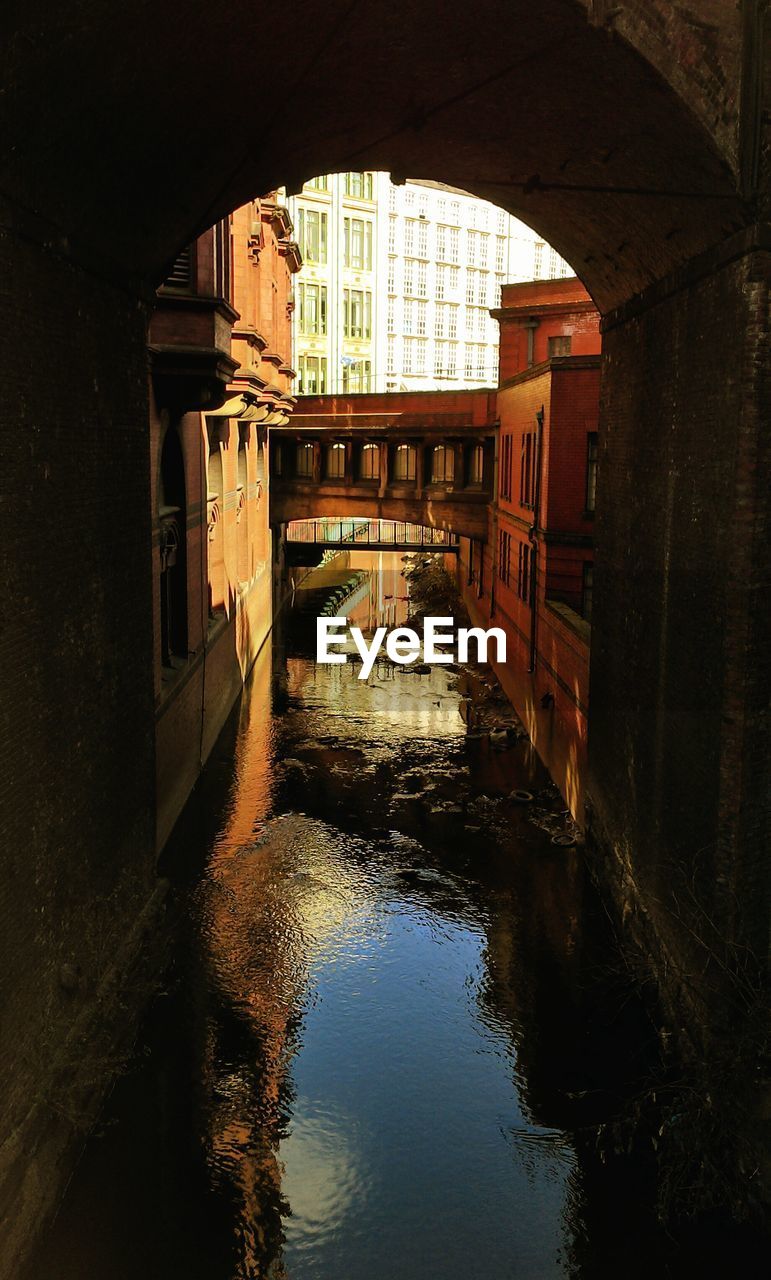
(220, 342)
(533, 576)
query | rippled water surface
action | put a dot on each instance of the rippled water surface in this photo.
(371, 1055)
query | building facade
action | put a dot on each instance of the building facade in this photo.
(220, 341)
(533, 575)
(398, 281)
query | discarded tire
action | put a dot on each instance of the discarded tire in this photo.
(564, 841)
(521, 797)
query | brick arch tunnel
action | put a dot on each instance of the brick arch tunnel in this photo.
(634, 139)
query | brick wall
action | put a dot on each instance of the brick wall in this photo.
(679, 741)
(76, 809)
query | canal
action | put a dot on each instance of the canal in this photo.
(394, 1019)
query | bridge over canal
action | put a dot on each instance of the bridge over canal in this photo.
(419, 458)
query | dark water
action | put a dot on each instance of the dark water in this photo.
(393, 1020)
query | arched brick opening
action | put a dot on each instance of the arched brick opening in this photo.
(545, 109)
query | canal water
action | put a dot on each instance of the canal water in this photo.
(394, 1017)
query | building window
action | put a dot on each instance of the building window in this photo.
(358, 186)
(504, 556)
(312, 235)
(215, 505)
(357, 313)
(452, 322)
(391, 365)
(454, 244)
(335, 462)
(242, 530)
(525, 584)
(527, 465)
(182, 274)
(357, 243)
(441, 283)
(409, 276)
(469, 365)
(304, 460)
(392, 276)
(559, 345)
(391, 315)
(475, 465)
(505, 481)
(422, 280)
(357, 376)
(538, 249)
(420, 327)
(421, 347)
(392, 234)
(318, 184)
(407, 352)
(591, 470)
(586, 591)
(440, 355)
(223, 256)
(312, 310)
(369, 462)
(312, 375)
(442, 464)
(405, 462)
(480, 362)
(408, 313)
(439, 321)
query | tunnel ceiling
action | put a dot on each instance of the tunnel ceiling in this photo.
(128, 128)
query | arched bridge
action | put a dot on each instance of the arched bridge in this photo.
(393, 458)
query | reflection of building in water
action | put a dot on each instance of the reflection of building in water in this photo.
(245, 1041)
(384, 602)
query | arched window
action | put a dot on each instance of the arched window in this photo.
(304, 460)
(335, 462)
(369, 462)
(405, 462)
(442, 464)
(173, 525)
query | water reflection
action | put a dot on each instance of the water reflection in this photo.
(386, 1038)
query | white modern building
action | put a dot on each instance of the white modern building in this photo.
(397, 283)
